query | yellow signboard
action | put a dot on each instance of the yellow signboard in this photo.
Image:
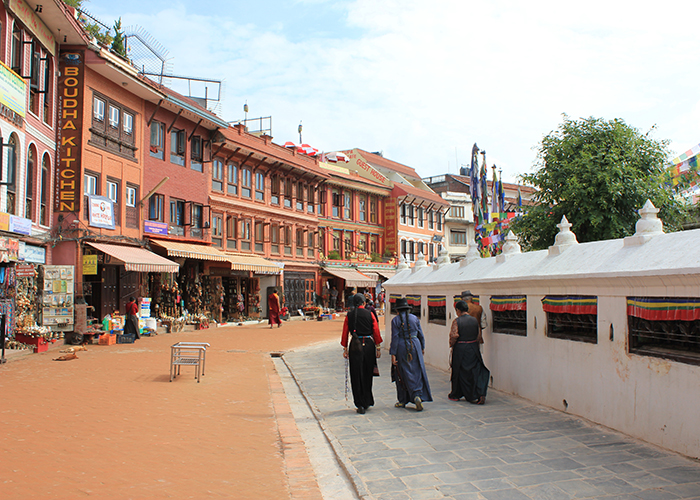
(12, 90)
(89, 264)
(28, 16)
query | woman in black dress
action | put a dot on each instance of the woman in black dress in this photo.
(470, 378)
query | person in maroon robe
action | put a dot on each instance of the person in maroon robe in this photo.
(273, 304)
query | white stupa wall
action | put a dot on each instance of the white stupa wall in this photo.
(647, 397)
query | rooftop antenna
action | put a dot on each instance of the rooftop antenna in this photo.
(245, 110)
(300, 127)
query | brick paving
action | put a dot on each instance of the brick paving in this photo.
(508, 449)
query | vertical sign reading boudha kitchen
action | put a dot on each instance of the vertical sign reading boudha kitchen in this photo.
(391, 227)
(70, 128)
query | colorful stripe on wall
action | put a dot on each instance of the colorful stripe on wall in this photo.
(436, 301)
(413, 300)
(664, 308)
(393, 297)
(572, 304)
(508, 303)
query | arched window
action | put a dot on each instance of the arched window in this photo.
(11, 200)
(29, 191)
(44, 210)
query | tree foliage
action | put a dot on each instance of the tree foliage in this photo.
(118, 41)
(597, 173)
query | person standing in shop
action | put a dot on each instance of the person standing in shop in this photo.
(131, 325)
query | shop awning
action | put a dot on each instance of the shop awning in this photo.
(386, 273)
(137, 259)
(241, 262)
(191, 250)
(351, 277)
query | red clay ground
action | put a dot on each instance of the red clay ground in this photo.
(110, 425)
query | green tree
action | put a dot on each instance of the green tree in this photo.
(597, 173)
(118, 41)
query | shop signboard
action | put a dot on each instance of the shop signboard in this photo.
(70, 129)
(12, 91)
(391, 227)
(20, 225)
(31, 253)
(28, 15)
(57, 305)
(101, 212)
(90, 265)
(155, 227)
(9, 249)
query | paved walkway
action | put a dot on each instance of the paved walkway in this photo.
(508, 449)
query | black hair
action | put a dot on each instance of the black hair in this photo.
(358, 299)
(462, 306)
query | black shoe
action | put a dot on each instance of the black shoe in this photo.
(361, 410)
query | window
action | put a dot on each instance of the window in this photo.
(113, 194)
(197, 216)
(362, 243)
(347, 206)
(259, 186)
(300, 196)
(457, 212)
(232, 178)
(34, 70)
(431, 219)
(665, 327)
(247, 182)
(155, 207)
(288, 193)
(128, 124)
(177, 147)
(509, 313)
(300, 242)
(177, 212)
(347, 244)
(421, 216)
(231, 227)
(311, 199)
(414, 301)
(157, 135)
(216, 229)
(336, 203)
(437, 310)
(45, 167)
(458, 237)
(29, 186)
(245, 235)
(572, 317)
(287, 240)
(362, 204)
(403, 213)
(431, 253)
(404, 249)
(48, 97)
(98, 109)
(275, 189)
(259, 237)
(337, 238)
(113, 116)
(217, 175)
(90, 184)
(130, 196)
(412, 250)
(373, 210)
(310, 244)
(17, 49)
(373, 244)
(275, 239)
(438, 219)
(410, 219)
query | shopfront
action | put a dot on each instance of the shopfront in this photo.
(346, 280)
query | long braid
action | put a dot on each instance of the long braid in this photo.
(405, 327)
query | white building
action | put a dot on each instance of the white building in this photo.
(607, 330)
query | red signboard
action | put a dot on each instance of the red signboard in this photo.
(391, 226)
(24, 271)
(70, 127)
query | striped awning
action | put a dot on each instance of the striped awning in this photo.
(571, 304)
(664, 308)
(351, 276)
(136, 258)
(388, 274)
(244, 262)
(508, 303)
(191, 250)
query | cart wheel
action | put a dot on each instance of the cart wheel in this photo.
(77, 338)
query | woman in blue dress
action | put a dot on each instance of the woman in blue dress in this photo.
(408, 368)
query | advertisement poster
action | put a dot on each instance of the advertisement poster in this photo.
(101, 212)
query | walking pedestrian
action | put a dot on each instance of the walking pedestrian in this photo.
(361, 341)
(470, 377)
(273, 304)
(407, 349)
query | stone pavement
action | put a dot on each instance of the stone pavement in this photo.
(508, 449)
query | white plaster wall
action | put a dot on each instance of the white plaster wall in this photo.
(649, 398)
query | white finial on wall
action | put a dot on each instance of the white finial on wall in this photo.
(420, 262)
(564, 239)
(402, 264)
(647, 227)
(472, 255)
(510, 247)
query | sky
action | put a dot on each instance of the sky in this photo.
(422, 81)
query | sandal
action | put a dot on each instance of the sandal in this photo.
(400, 405)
